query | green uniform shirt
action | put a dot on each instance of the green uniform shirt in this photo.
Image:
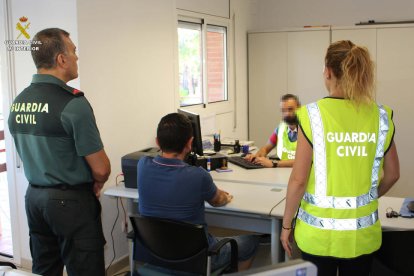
(54, 128)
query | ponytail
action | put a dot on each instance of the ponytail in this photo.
(354, 70)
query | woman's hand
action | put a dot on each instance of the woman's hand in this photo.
(286, 238)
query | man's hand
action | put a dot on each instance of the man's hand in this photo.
(250, 157)
(265, 162)
(221, 198)
(229, 197)
(97, 187)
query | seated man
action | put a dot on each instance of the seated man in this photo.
(283, 138)
(170, 188)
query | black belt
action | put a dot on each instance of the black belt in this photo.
(83, 186)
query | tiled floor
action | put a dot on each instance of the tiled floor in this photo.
(6, 245)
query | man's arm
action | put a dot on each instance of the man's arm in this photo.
(221, 198)
(263, 151)
(101, 169)
(266, 162)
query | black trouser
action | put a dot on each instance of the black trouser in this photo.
(65, 229)
(329, 266)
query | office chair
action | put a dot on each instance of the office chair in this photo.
(175, 247)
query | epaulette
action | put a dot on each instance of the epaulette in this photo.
(77, 92)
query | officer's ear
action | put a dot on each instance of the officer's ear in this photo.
(61, 60)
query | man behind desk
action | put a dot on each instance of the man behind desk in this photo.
(283, 138)
(170, 188)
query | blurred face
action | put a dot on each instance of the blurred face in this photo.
(288, 111)
(70, 59)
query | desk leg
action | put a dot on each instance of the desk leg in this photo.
(275, 236)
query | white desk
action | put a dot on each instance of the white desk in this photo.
(393, 224)
(8, 271)
(249, 210)
(265, 176)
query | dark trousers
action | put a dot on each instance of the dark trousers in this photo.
(65, 229)
(329, 266)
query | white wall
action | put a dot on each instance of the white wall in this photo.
(128, 70)
(271, 14)
(239, 10)
(211, 7)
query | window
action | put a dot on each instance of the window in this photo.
(202, 62)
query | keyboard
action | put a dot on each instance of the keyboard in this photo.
(240, 161)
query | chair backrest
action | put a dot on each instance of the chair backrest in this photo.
(173, 244)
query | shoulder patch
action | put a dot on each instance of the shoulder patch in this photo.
(77, 92)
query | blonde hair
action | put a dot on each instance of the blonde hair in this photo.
(354, 70)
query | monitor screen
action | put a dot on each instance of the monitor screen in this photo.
(195, 121)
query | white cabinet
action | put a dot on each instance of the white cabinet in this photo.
(306, 60)
(267, 80)
(362, 37)
(280, 63)
(395, 87)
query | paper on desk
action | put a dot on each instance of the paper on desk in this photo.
(404, 212)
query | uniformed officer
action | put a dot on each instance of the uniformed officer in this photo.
(284, 137)
(345, 144)
(57, 138)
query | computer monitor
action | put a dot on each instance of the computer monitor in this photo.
(195, 121)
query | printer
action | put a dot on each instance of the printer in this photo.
(129, 163)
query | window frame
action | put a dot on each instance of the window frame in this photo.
(206, 108)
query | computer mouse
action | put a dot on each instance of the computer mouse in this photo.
(410, 206)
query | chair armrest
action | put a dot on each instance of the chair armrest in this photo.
(215, 249)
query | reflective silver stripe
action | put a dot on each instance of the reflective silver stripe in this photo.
(319, 149)
(323, 201)
(341, 202)
(338, 224)
(279, 145)
(379, 152)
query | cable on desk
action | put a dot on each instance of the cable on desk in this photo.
(271, 210)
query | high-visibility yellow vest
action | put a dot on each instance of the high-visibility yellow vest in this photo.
(338, 215)
(285, 149)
